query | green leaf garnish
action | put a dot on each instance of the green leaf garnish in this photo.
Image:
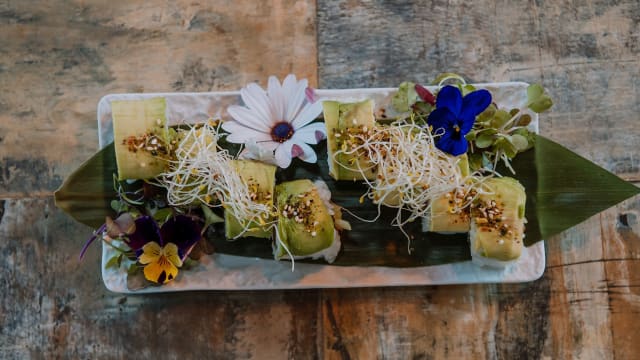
(448, 76)
(537, 100)
(114, 262)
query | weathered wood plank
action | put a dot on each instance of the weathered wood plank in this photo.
(586, 56)
(58, 58)
(565, 314)
(621, 228)
(585, 53)
(53, 306)
(585, 306)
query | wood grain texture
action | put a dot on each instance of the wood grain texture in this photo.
(584, 52)
(53, 306)
(58, 58)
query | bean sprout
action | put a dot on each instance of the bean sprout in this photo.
(410, 171)
(202, 172)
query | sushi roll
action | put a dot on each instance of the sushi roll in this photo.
(449, 214)
(305, 227)
(260, 178)
(140, 135)
(497, 223)
(345, 122)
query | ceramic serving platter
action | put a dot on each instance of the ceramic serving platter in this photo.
(228, 272)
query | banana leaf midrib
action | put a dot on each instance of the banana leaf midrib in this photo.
(555, 202)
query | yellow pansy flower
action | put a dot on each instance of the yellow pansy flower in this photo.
(161, 263)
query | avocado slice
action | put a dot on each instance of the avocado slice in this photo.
(342, 119)
(133, 122)
(305, 225)
(497, 221)
(443, 217)
(261, 179)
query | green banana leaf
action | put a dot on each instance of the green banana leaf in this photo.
(87, 193)
(563, 189)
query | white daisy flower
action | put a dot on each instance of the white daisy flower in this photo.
(277, 120)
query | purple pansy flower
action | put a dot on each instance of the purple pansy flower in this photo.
(180, 230)
(454, 116)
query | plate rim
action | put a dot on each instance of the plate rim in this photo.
(414, 276)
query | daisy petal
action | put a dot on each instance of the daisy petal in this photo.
(308, 155)
(260, 151)
(239, 134)
(248, 134)
(289, 85)
(311, 134)
(269, 145)
(296, 151)
(295, 97)
(256, 99)
(276, 97)
(283, 154)
(248, 118)
(309, 113)
(311, 95)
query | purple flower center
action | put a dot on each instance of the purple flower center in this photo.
(282, 131)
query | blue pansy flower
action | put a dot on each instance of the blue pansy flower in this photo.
(454, 116)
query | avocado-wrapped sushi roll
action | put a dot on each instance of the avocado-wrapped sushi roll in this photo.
(306, 227)
(260, 179)
(449, 213)
(497, 223)
(346, 122)
(140, 136)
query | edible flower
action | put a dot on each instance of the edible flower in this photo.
(425, 95)
(111, 229)
(454, 117)
(162, 250)
(278, 120)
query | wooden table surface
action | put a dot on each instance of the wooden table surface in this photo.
(57, 58)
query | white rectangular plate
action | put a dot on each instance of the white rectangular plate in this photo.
(227, 272)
